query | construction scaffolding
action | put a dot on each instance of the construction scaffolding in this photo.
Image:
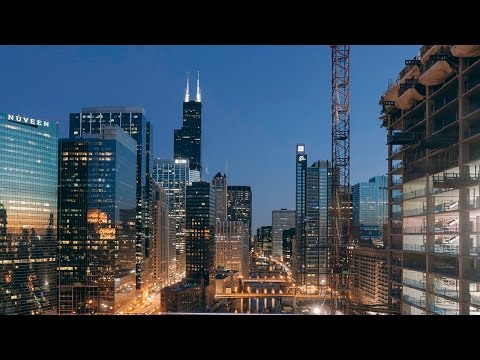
(340, 240)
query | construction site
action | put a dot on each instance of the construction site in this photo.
(429, 262)
(431, 113)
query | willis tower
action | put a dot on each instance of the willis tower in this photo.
(187, 140)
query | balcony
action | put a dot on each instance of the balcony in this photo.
(445, 249)
(414, 301)
(442, 311)
(415, 230)
(414, 194)
(447, 123)
(439, 141)
(445, 291)
(399, 138)
(414, 212)
(414, 247)
(444, 229)
(446, 206)
(419, 284)
(475, 298)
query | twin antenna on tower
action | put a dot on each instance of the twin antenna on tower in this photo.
(198, 98)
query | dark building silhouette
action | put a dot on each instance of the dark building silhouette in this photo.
(239, 205)
(187, 139)
(264, 240)
(287, 238)
(200, 240)
(219, 183)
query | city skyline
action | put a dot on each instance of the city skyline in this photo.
(52, 80)
(96, 219)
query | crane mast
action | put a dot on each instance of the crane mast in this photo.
(340, 240)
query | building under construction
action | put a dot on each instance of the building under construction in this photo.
(432, 116)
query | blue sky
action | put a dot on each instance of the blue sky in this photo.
(258, 102)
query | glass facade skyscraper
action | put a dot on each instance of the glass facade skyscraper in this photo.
(97, 210)
(317, 225)
(298, 256)
(310, 248)
(174, 177)
(28, 215)
(370, 200)
(133, 121)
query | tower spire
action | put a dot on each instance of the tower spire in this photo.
(187, 89)
(199, 95)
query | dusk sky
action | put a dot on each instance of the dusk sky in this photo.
(258, 102)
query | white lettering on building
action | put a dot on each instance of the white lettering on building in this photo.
(28, 121)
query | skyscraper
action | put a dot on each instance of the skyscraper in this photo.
(370, 209)
(133, 121)
(287, 240)
(318, 192)
(231, 246)
(200, 229)
(239, 205)
(187, 139)
(162, 264)
(28, 215)
(298, 255)
(174, 177)
(264, 240)
(282, 219)
(314, 191)
(219, 183)
(97, 210)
